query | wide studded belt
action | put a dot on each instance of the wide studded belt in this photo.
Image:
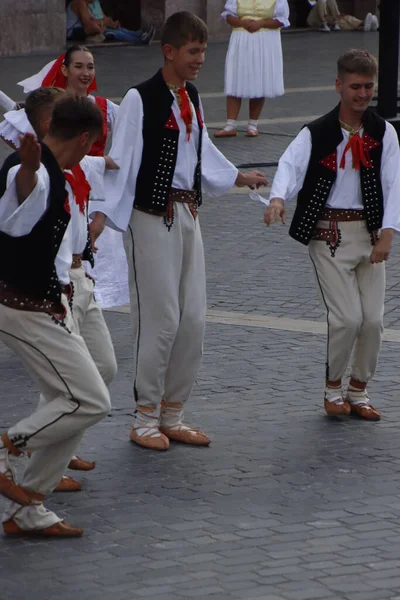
(175, 195)
(338, 214)
(76, 261)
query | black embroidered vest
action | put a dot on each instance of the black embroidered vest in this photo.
(27, 265)
(160, 145)
(14, 159)
(326, 135)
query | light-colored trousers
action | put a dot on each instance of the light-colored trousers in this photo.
(64, 371)
(168, 304)
(353, 291)
(323, 11)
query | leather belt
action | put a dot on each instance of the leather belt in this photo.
(175, 195)
(76, 261)
(337, 214)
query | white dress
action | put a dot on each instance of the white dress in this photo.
(254, 62)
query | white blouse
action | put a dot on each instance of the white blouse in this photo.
(218, 174)
(112, 111)
(346, 191)
(281, 13)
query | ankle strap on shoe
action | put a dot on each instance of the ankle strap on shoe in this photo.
(33, 495)
(10, 446)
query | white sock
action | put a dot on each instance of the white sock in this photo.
(357, 396)
(252, 125)
(230, 125)
(334, 394)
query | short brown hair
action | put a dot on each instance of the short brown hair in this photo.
(183, 27)
(44, 97)
(357, 61)
(73, 116)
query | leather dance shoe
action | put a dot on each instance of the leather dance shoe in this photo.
(365, 411)
(334, 409)
(221, 133)
(13, 491)
(68, 484)
(149, 437)
(59, 530)
(78, 464)
(186, 435)
(252, 133)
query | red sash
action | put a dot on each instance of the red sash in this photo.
(80, 186)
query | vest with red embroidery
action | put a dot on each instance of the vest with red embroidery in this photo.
(326, 135)
(160, 145)
(99, 146)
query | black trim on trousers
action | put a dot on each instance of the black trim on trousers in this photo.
(327, 316)
(19, 441)
(135, 392)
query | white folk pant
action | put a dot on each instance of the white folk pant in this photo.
(168, 304)
(65, 373)
(353, 291)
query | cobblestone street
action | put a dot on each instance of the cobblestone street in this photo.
(286, 503)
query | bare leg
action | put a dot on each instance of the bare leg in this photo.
(232, 108)
(256, 106)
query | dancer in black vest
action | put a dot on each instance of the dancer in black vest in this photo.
(36, 321)
(166, 158)
(345, 168)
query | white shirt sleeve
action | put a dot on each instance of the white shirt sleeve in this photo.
(218, 175)
(281, 13)
(94, 168)
(126, 150)
(112, 111)
(15, 124)
(230, 9)
(292, 167)
(390, 178)
(19, 219)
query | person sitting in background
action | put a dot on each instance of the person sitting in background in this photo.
(85, 18)
(326, 17)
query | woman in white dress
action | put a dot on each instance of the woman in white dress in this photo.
(74, 71)
(254, 64)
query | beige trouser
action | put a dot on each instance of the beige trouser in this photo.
(168, 303)
(353, 291)
(323, 11)
(65, 373)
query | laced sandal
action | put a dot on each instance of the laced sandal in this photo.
(78, 464)
(337, 406)
(8, 486)
(68, 484)
(60, 530)
(186, 435)
(172, 427)
(149, 437)
(252, 133)
(221, 133)
(365, 410)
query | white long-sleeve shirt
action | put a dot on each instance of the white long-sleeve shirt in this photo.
(218, 174)
(346, 191)
(19, 219)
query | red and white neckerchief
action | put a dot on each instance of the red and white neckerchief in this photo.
(80, 187)
(183, 100)
(356, 145)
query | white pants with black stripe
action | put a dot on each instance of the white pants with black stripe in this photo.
(168, 304)
(353, 292)
(65, 373)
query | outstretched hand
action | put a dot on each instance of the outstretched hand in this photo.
(30, 152)
(96, 228)
(111, 165)
(254, 179)
(275, 212)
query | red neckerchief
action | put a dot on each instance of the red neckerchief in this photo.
(80, 187)
(360, 156)
(186, 111)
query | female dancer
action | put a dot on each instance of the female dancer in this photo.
(74, 71)
(254, 65)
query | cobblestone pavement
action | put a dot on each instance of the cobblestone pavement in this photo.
(286, 504)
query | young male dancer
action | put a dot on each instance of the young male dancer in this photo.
(165, 157)
(345, 168)
(86, 313)
(35, 318)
